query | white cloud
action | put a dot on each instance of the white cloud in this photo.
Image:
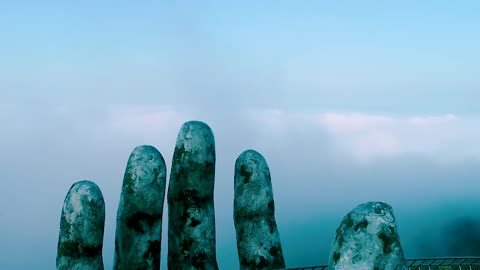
(373, 144)
(362, 137)
(353, 122)
(366, 137)
(309, 155)
(431, 120)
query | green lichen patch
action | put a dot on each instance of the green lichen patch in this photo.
(361, 225)
(153, 252)
(198, 260)
(272, 225)
(245, 174)
(194, 222)
(348, 222)
(185, 246)
(336, 256)
(271, 206)
(388, 241)
(142, 222)
(275, 250)
(341, 240)
(128, 182)
(357, 258)
(78, 249)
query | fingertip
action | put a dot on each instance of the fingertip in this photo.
(81, 227)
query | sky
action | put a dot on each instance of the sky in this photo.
(348, 101)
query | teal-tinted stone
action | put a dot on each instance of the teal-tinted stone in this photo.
(139, 216)
(191, 215)
(367, 238)
(258, 239)
(81, 228)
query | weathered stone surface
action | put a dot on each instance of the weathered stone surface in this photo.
(81, 228)
(191, 228)
(367, 238)
(258, 239)
(139, 216)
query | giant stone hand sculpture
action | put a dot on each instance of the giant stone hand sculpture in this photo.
(191, 230)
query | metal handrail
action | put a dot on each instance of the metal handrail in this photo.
(441, 263)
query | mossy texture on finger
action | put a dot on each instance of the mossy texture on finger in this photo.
(191, 228)
(258, 239)
(367, 238)
(139, 215)
(81, 228)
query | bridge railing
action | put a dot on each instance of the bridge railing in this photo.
(448, 263)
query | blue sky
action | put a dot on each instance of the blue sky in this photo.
(335, 56)
(348, 101)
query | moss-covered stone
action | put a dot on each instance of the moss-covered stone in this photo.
(336, 256)
(81, 228)
(258, 239)
(191, 228)
(367, 238)
(140, 210)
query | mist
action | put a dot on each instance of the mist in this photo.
(315, 184)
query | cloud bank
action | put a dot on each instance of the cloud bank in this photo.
(323, 164)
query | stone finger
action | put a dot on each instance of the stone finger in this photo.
(258, 239)
(81, 228)
(139, 216)
(191, 217)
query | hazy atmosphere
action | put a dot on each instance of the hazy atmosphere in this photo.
(348, 102)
